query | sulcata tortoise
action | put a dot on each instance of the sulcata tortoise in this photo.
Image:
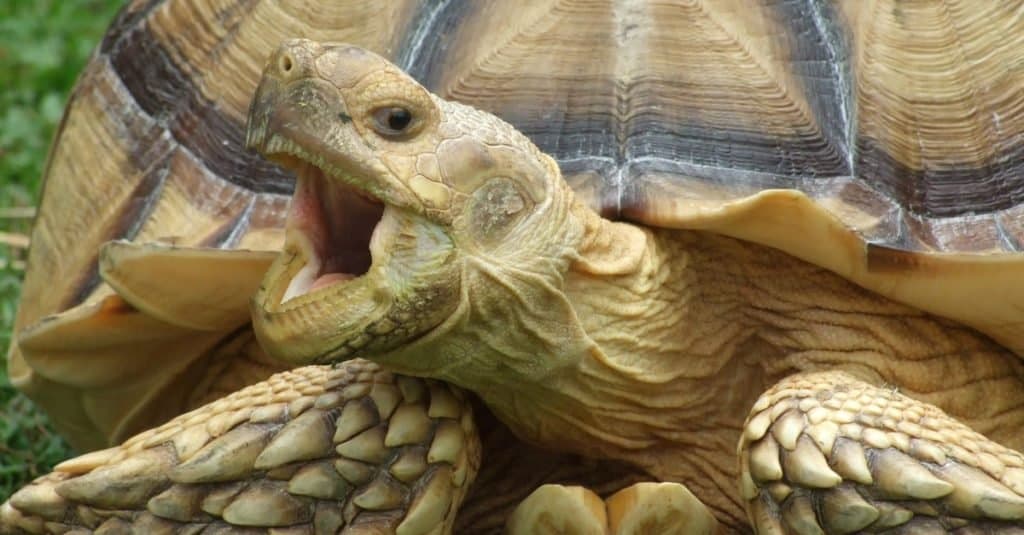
(764, 252)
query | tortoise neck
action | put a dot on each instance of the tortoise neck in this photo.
(653, 339)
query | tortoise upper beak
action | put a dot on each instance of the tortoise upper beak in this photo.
(293, 60)
(301, 118)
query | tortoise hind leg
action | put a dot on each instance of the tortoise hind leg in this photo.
(525, 490)
(313, 450)
(828, 453)
(642, 509)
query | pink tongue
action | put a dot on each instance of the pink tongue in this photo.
(329, 279)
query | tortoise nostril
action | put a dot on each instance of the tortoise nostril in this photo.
(286, 63)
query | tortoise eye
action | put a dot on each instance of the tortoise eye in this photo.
(392, 121)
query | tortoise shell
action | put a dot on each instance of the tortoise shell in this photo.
(880, 139)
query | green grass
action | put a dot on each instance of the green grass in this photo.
(43, 46)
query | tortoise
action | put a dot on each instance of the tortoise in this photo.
(772, 259)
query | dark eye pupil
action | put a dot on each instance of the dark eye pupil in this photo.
(398, 119)
(392, 121)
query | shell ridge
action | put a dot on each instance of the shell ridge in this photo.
(844, 85)
(413, 47)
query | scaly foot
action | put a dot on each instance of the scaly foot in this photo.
(313, 450)
(827, 453)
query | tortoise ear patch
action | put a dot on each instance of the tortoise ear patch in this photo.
(198, 288)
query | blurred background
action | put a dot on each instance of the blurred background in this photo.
(43, 46)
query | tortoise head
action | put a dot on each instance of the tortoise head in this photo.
(404, 204)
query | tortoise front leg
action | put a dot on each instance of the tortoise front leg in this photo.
(828, 453)
(313, 450)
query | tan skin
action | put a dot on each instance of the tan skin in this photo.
(581, 334)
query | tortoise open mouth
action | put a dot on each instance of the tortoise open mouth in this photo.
(331, 225)
(331, 229)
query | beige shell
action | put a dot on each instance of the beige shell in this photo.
(878, 138)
